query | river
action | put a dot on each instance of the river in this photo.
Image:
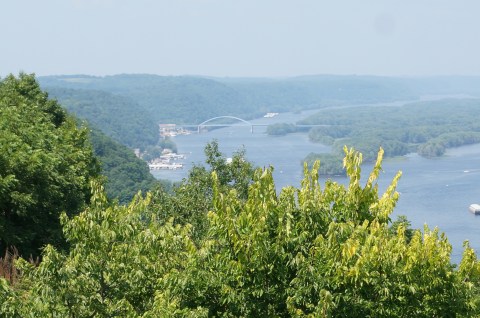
(436, 192)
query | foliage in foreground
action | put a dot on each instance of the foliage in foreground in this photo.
(192, 199)
(46, 163)
(308, 252)
(330, 163)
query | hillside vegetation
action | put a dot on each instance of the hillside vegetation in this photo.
(46, 166)
(167, 99)
(116, 123)
(191, 100)
(117, 116)
(47, 162)
(125, 174)
(428, 128)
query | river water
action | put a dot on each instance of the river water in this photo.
(436, 192)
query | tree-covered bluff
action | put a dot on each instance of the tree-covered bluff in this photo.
(193, 99)
(115, 122)
(166, 99)
(47, 163)
(117, 116)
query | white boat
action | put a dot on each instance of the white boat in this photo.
(474, 208)
(270, 115)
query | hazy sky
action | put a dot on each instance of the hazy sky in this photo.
(240, 37)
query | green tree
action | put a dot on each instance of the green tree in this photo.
(402, 222)
(330, 163)
(310, 251)
(46, 163)
(116, 265)
(193, 197)
(324, 253)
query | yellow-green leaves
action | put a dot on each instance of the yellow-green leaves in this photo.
(306, 252)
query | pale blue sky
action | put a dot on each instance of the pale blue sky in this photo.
(240, 37)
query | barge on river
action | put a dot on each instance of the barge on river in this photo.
(165, 166)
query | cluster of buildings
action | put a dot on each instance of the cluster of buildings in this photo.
(167, 161)
(171, 130)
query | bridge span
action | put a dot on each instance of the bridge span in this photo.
(206, 123)
(240, 122)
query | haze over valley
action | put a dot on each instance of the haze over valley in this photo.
(239, 159)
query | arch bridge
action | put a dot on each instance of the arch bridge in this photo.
(243, 121)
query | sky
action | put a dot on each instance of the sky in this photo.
(240, 38)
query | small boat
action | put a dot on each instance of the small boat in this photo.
(474, 208)
(270, 115)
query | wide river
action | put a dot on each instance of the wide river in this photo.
(436, 192)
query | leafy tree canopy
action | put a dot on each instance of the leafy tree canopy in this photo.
(193, 197)
(312, 251)
(46, 164)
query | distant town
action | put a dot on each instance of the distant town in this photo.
(167, 161)
(171, 130)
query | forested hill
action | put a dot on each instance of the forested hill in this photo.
(189, 99)
(117, 116)
(303, 92)
(116, 122)
(125, 174)
(326, 89)
(166, 99)
(428, 128)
